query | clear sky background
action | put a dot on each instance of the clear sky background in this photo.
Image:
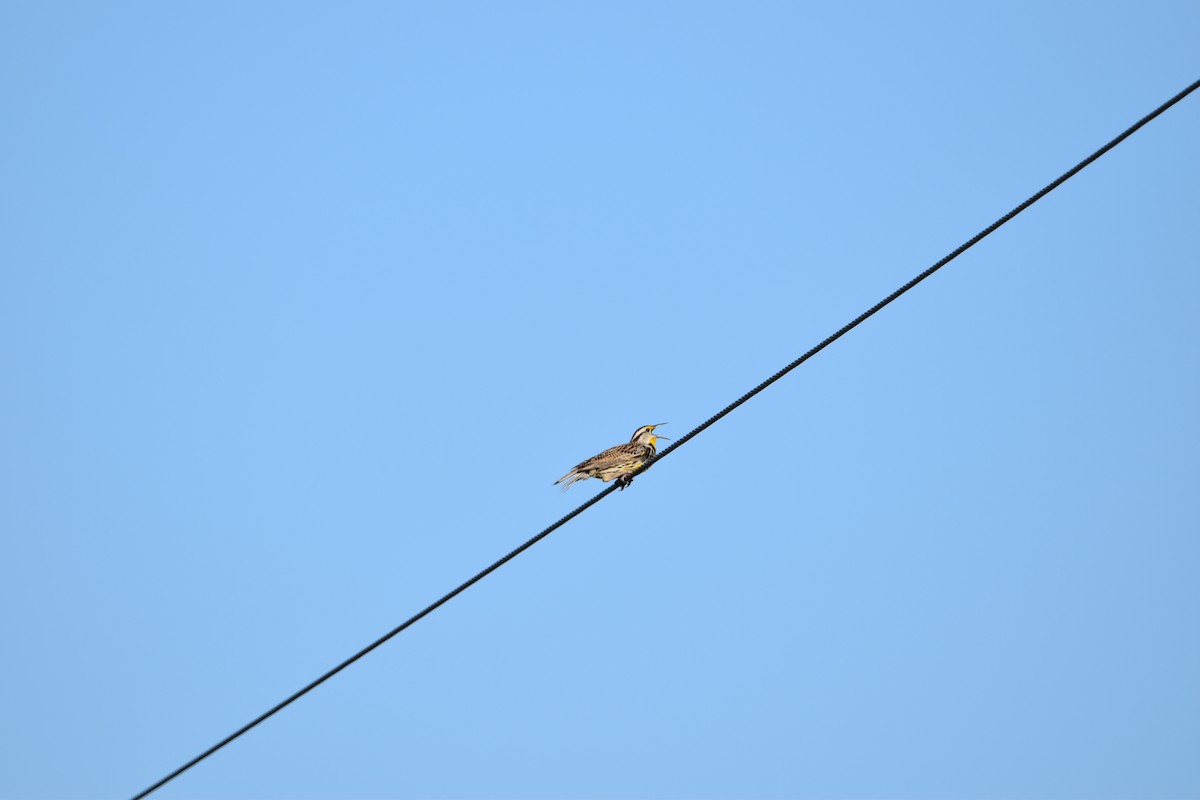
(303, 308)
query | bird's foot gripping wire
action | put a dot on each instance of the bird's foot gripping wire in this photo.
(623, 481)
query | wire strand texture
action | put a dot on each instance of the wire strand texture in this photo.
(677, 444)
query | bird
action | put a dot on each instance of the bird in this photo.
(617, 462)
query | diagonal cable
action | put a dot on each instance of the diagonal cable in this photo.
(1061, 179)
(679, 443)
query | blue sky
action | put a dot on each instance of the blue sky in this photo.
(303, 308)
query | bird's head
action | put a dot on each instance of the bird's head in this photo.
(646, 435)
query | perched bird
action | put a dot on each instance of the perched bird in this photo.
(617, 462)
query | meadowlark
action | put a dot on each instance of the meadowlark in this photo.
(617, 462)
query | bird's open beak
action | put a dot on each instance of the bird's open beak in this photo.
(659, 435)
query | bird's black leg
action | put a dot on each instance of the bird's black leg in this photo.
(624, 481)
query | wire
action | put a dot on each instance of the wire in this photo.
(679, 443)
(961, 249)
(432, 606)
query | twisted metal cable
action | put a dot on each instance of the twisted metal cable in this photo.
(679, 443)
(959, 251)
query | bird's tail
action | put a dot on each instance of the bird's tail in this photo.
(569, 478)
